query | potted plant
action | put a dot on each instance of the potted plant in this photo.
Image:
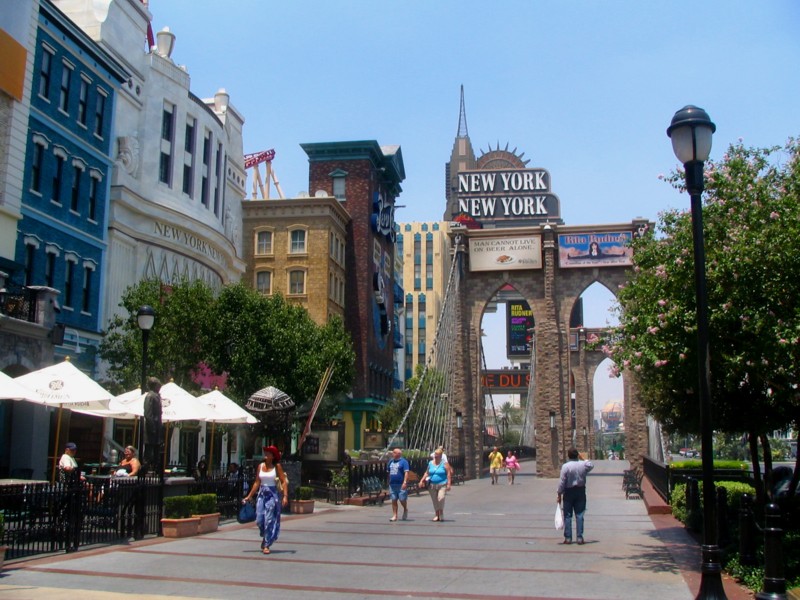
(340, 482)
(205, 507)
(177, 521)
(303, 504)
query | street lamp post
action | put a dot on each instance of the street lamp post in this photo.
(145, 317)
(691, 131)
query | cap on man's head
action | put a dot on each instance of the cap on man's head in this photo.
(71, 446)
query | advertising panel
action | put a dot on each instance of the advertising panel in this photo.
(519, 319)
(505, 254)
(595, 249)
(506, 381)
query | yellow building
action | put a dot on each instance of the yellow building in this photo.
(426, 266)
(297, 247)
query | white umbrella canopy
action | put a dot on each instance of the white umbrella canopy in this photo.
(65, 385)
(176, 405)
(11, 390)
(225, 409)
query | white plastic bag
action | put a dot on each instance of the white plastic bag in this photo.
(559, 520)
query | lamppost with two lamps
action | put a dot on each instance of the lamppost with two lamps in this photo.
(691, 131)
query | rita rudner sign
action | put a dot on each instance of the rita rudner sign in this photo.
(512, 194)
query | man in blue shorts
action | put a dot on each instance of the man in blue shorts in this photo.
(398, 480)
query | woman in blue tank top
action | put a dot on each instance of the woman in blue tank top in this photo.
(438, 478)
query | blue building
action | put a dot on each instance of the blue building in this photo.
(62, 236)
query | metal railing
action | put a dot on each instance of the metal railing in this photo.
(18, 302)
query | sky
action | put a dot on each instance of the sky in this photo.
(586, 89)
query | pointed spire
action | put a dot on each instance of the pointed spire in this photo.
(462, 117)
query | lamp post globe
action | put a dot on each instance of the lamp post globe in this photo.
(691, 132)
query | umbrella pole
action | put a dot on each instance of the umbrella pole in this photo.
(166, 446)
(55, 451)
(211, 450)
(135, 442)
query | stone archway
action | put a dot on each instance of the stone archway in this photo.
(562, 363)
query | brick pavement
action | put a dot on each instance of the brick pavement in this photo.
(496, 542)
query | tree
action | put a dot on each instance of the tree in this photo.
(752, 241)
(176, 344)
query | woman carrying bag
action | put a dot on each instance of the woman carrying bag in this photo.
(272, 489)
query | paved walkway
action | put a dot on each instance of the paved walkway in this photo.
(496, 542)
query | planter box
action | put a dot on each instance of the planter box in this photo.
(2, 556)
(302, 507)
(208, 523)
(178, 528)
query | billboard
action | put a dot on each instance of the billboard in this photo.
(505, 254)
(507, 195)
(519, 319)
(595, 249)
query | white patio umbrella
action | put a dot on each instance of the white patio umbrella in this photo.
(64, 385)
(176, 405)
(225, 411)
(11, 390)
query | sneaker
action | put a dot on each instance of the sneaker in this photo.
(580, 541)
(567, 541)
(405, 515)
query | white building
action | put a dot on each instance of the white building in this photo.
(179, 178)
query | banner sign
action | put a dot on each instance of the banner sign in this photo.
(595, 249)
(505, 254)
(519, 319)
(496, 195)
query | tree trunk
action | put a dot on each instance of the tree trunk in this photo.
(752, 438)
(767, 465)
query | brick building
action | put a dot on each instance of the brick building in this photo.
(365, 177)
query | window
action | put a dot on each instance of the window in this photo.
(298, 242)
(165, 160)
(36, 167)
(69, 276)
(264, 282)
(83, 101)
(264, 242)
(66, 79)
(88, 272)
(57, 175)
(94, 186)
(77, 172)
(50, 269)
(30, 262)
(45, 71)
(206, 163)
(99, 113)
(218, 178)
(297, 282)
(188, 158)
(339, 187)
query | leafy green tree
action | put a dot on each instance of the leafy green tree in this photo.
(752, 243)
(175, 345)
(265, 340)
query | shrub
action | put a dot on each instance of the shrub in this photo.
(205, 504)
(305, 492)
(694, 520)
(178, 507)
(340, 478)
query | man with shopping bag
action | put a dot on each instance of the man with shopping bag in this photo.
(572, 489)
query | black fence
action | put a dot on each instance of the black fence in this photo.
(359, 472)
(42, 517)
(658, 475)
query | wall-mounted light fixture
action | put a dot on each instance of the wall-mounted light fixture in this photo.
(552, 420)
(459, 420)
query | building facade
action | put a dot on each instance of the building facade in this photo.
(297, 248)
(365, 177)
(179, 172)
(426, 258)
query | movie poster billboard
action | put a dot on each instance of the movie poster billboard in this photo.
(505, 254)
(610, 249)
(519, 322)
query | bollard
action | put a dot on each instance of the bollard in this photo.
(723, 527)
(774, 581)
(747, 531)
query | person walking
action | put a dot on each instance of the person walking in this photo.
(495, 464)
(512, 466)
(269, 499)
(397, 470)
(572, 487)
(438, 477)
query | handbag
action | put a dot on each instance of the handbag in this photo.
(247, 514)
(559, 518)
(279, 485)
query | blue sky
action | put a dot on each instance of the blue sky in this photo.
(586, 89)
